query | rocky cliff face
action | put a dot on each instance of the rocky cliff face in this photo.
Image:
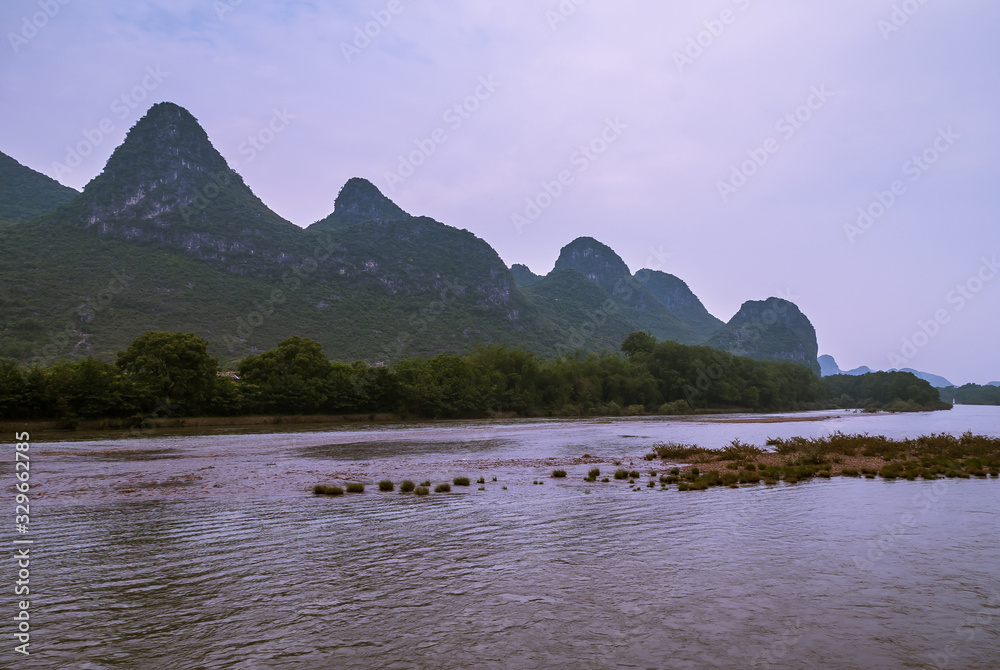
(167, 186)
(772, 330)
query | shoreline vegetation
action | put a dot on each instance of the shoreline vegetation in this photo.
(167, 377)
(694, 468)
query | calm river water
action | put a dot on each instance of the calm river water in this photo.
(181, 551)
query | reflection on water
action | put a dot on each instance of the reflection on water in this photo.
(836, 574)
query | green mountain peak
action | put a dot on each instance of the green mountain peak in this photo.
(360, 201)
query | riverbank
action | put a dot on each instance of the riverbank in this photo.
(71, 429)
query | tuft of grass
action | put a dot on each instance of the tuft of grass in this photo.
(461, 481)
(481, 480)
(422, 491)
(355, 488)
(407, 486)
(426, 484)
(386, 485)
(442, 488)
(634, 474)
(621, 474)
(605, 480)
(321, 490)
(558, 474)
(594, 473)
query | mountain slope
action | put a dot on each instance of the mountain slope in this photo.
(523, 276)
(772, 330)
(581, 311)
(635, 302)
(25, 194)
(677, 297)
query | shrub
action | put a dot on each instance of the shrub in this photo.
(442, 488)
(594, 473)
(634, 474)
(481, 480)
(321, 490)
(426, 484)
(355, 488)
(407, 486)
(386, 485)
(461, 481)
(422, 491)
(621, 474)
(558, 473)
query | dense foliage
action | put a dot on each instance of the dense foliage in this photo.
(972, 394)
(172, 374)
(885, 390)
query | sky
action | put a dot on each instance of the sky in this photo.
(841, 155)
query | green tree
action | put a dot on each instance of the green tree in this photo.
(172, 370)
(292, 378)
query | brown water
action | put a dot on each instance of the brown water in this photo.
(210, 552)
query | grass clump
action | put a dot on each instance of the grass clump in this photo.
(407, 486)
(442, 488)
(558, 474)
(386, 485)
(426, 484)
(355, 488)
(422, 491)
(621, 474)
(321, 490)
(461, 481)
(634, 474)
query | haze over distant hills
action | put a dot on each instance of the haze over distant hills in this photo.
(829, 367)
(168, 237)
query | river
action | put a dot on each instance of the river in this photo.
(171, 550)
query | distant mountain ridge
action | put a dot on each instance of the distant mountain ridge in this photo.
(168, 237)
(828, 366)
(26, 194)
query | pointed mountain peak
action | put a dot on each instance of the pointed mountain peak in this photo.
(359, 201)
(166, 185)
(594, 259)
(166, 142)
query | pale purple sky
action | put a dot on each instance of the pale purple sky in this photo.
(675, 118)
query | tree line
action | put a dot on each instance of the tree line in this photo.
(172, 374)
